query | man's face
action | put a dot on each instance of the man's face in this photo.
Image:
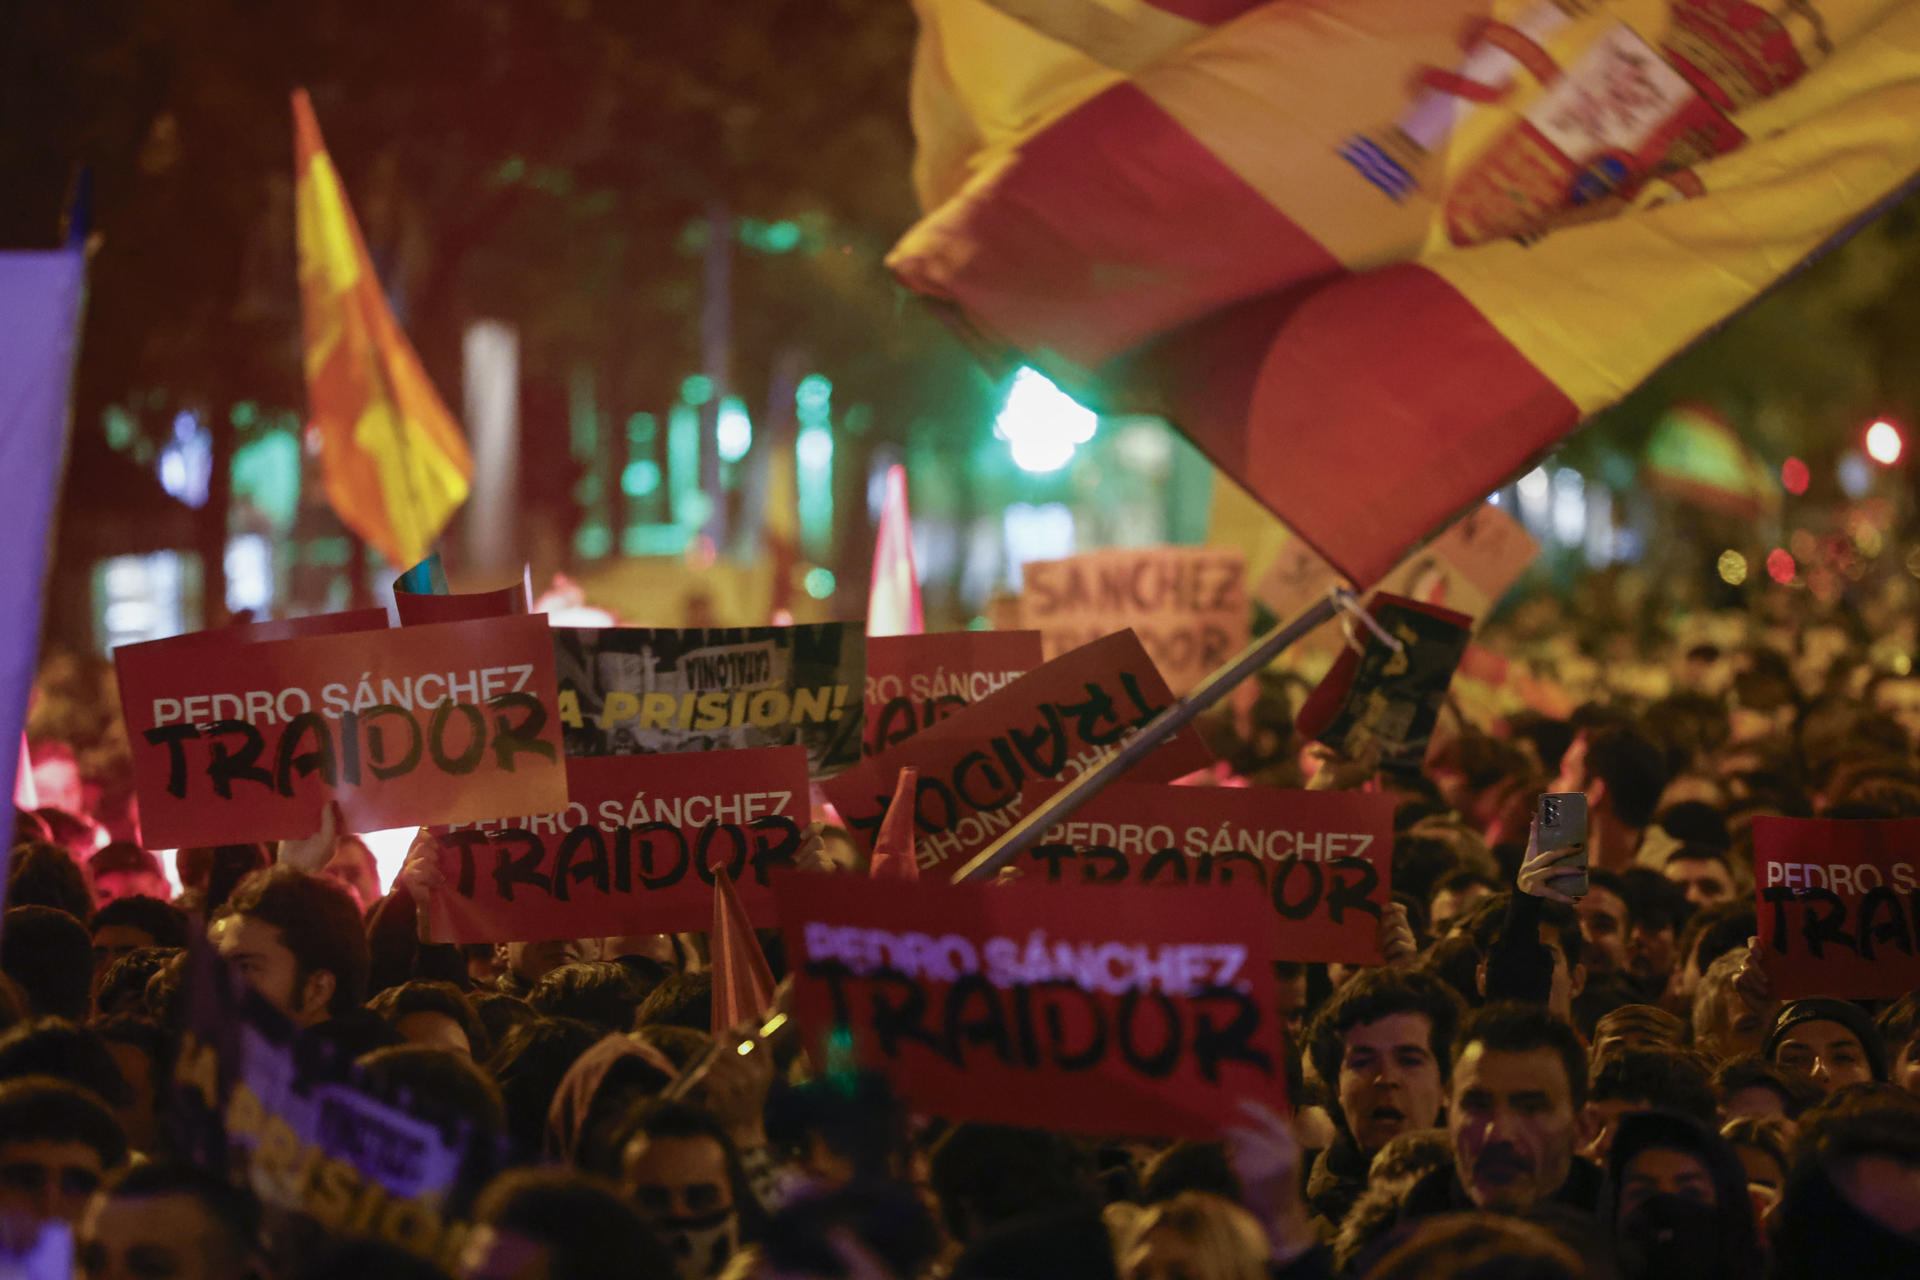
(1706, 880)
(1603, 923)
(47, 1180)
(1650, 950)
(164, 1237)
(1662, 1171)
(1906, 1067)
(1825, 1053)
(110, 886)
(1900, 699)
(1450, 904)
(112, 941)
(1389, 1081)
(680, 1186)
(533, 961)
(1512, 1124)
(1292, 1003)
(254, 950)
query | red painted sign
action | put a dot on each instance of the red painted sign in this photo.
(1137, 1012)
(917, 681)
(1839, 906)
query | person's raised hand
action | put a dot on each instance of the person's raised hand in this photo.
(812, 854)
(310, 853)
(1265, 1156)
(422, 877)
(1751, 983)
(1398, 948)
(1542, 867)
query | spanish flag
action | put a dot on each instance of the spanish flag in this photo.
(1376, 256)
(395, 463)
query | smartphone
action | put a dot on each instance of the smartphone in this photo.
(1562, 824)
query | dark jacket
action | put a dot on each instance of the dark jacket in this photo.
(1817, 1234)
(1441, 1192)
(1337, 1179)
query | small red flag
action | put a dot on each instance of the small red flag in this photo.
(893, 604)
(742, 982)
(893, 855)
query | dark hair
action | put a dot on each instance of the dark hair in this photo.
(1899, 1024)
(1668, 1027)
(499, 1013)
(48, 954)
(1512, 1027)
(1696, 822)
(1419, 861)
(600, 992)
(1664, 1079)
(124, 856)
(138, 1032)
(1751, 1071)
(884, 1218)
(445, 1077)
(425, 996)
(589, 1231)
(232, 1208)
(985, 1174)
(1190, 1166)
(1455, 960)
(364, 1258)
(1479, 1246)
(1633, 769)
(45, 875)
(45, 1109)
(123, 987)
(216, 869)
(165, 923)
(679, 1045)
(1714, 930)
(1700, 853)
(683, 1000)
(655, 1118)
(319, 922)
(529, 1064)
(1490, 916)
(1374, 994)
(1463, 879)
(1653, 901)
(66, 1051)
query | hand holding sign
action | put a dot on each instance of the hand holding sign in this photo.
(1839, 906)
(311, 853)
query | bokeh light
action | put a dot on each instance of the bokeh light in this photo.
(1733, 567)
(1884, 443)
(1780, 565)
(1794, 476)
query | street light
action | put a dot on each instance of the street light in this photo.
(1884, 444)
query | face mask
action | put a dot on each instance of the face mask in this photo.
(1671, 1236)
(702, 1243)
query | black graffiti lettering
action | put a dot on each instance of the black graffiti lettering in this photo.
(290, 760)
(1214, 1043)
(974, 1016)
(465, 843)
(1023, 1025)
(174, 738)
(1825, 922)
(1893, 929)
(1159, 1064)
(898, 1011)
(1032, 745)
(1778, 897)
(893, 725)
(376, 755)
(522, 736)
(1303, 908)
(938, 709)
(1053, 855)
(1354, 893)
(1096, 710)
(593, 868)
(1221, 866)
(946, 806)
(469, 758)
(623, 860)
(1130, 683)
(1054, 996)
(225, 767)
(703, 848)
(1114, 870)
(780, 852)
(836, 975)
(643, 839)
(525, 869)
(1171, 863)
(350, 748)
(996, 790)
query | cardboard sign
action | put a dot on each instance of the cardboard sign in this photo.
(1470, 566)
(327, 1152)
(1188, 605)
(1048, 726)
(1137, 1012)
(238, 742)
(1323, 859)
(916, 681)
(632, 850)
(1839, 906)
(634, 691)
(1392, 698)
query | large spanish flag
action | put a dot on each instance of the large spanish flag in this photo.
(395, 463)
(1376, 256)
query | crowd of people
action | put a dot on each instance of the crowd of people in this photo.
(1538, 1084)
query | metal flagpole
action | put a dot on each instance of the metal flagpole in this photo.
(1169, 722)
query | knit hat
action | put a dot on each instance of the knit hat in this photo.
(1822, 1008)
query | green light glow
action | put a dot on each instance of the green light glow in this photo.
(820, 583)
(641, 478)
(697, 390)
(733, 431)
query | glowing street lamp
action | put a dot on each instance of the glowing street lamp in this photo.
(1884, 444)
(1042, 424)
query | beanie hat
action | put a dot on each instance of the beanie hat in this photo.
(1824, 1009)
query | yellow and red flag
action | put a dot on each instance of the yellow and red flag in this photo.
(1376, 256)
(395, 463)
(893, 602)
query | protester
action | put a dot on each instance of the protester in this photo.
(168, 1221)
(1829, 1043)
(1676, 1200)
(57, 1142)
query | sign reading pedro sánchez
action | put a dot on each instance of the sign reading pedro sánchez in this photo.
(237, 741)
(1109, 1010)
(634, 690)
(633, 851)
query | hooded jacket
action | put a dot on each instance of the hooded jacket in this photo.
(1736, 1244)
(606, 1076)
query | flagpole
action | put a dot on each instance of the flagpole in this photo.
(1063, 803)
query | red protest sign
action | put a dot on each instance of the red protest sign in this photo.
(916, 681)
(319, 624)
(1188, 604)
(1142, 1012)
(237, 742)
(631, 852)
(1050, 725)
(416, 608)
(1322, 858)
(1839, 905)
